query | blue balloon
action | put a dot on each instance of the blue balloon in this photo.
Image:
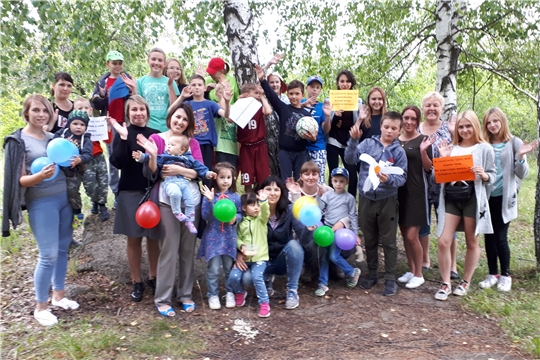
(59, 150)
(40, 163)
(65, 163)
(345, 239)
(75, 152)
(310, 215)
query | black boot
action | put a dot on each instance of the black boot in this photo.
(103, 213)
(138, 291)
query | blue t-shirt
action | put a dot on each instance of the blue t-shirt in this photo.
(156, 93)
(318, 114)
(205, 128)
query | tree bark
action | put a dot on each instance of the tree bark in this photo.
(448, 15)
(537, 197)
(241, 39)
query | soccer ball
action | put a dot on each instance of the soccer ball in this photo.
(307, 125)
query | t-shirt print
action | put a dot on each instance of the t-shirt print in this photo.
(157, 96)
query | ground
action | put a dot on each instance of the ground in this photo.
(345, 324)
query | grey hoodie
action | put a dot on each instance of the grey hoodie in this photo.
(13, 195)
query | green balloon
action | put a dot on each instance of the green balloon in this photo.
(323, 236)
(224, 210)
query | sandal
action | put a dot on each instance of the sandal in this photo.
(167, 312)
(189, 307)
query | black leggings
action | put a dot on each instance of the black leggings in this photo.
(497, 243)
(333, 153)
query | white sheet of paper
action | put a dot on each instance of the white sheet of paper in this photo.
(97, 127)
(242, 111)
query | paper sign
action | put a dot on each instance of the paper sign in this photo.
(97, 127)
(453, 168)
(242, 111)
(346, 100)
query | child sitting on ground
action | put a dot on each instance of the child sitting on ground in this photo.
(253, 244)
(176, 187)
(337, 205)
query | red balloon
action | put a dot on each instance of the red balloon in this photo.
(147, 215)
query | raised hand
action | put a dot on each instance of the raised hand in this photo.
(130, 82)
(310, 102)
(276, 59)
(527, 148)
(259, 72)
(102, 91)
(120, 129)
(355, 132)
(445, 149)
(148, 145)
(262, 195)
(327, 108)
(207, 193)
(362, 115)
(292, 185)
(427, 142)
(186, 92)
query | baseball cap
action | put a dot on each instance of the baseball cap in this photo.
(340, 171)
(214, 65)
(283, 84)
(114, 55)
(314, 78)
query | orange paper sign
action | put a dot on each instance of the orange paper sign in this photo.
(453, 168)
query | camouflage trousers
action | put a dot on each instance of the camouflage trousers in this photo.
(96, 179)
(73, 181)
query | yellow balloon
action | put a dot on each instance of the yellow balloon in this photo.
(300, 203)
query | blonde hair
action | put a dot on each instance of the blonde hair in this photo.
(470, 116)
(39, 99)
(81, 99)
(139, 100)
(308, 167)
(504, 134)
(367, 121)
(433, 94)
(156, 49)
(182, 79)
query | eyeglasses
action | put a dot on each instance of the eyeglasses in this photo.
(174, 68)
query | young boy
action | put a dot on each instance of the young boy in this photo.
(75, 132)
(96, 177)
(227, 143)
(159, 91)
(253, 161)
(176, 187)
(292, 147)
(378, 208)
(100, 101)
(317, 150)
(337, 205)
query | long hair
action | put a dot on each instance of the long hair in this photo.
(282, 206)
(367, 121)
(61, 76)
(504, 134)
(39, 99)
(416, 111)
(224, 166)
(307, 167)
(471, 116)
(350, 77)
(190, 130)
(139, 100)
(182, 79)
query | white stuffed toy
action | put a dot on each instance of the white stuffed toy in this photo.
(375, 169)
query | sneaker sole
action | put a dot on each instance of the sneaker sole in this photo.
(291, 307)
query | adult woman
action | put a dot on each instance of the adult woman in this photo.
(131, 190)
(512, 167)
(342, 121)
(49, 212)
(432, 109)
(178, 242)
(61, 90)
(465, 202)
(174, 69)
(412, 197)
(286, 254)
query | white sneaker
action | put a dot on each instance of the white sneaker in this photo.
(45, 317)
(415, 282)
(213, 302)
(406, 277)
(488, 282)
(230, 302)
(505, 283)
(444, 291)
(65, 304)
(462, 289)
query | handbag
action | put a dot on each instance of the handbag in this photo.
(458, 193)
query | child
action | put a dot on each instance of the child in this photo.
(512, 167)
(227, 143)
(75, 132)
(205, 111)
(317, 150)
(253, 243)
(292, 147)
(371, 113)
(253, 160)
(96, 177)
(337, 205)
(379, 207)
(218, 242)
(176, 187)
(159, 91)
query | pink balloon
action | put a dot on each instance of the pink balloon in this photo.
(345, 239)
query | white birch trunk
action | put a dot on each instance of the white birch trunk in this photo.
(447, 21)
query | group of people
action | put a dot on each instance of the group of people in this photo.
(169, 133)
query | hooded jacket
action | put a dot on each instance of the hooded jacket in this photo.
(14, 150)
(253, 230)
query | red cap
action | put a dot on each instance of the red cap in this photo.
(215, 65)
(283, 85)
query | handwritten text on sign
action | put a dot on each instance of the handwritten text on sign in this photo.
(453, 168)
(346, 100)
(97, 127)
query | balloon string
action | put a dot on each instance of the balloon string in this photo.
(221, 197)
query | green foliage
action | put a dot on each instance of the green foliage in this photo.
(10, 115)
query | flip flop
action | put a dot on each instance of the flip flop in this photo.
(167, 312)
(189, 307)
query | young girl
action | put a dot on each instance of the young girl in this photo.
(173, 69)
(218, 243)
(371, 113)
(253, 244)
(342, 121)
(512, 167)
(471, 208)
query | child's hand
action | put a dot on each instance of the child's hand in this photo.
(241, 261)
(383, 177)
(355, 132)
(233, 221)
(327, 108)
(76, 160)
(310, 136)
(262, 195)
(292, 185)
(338, 112)
(311, 228)
(207, 193)
(130, 82)
(102, 91)
(136, 155)
(310, 102)
(170, 81)
(527, 148)
(275, 59)
(211, 175)
(259, 72)
(186, 92)
(201, 70)
(362, 115)
(358, 241)
(227, 92)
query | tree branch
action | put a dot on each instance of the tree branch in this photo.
(415, 36)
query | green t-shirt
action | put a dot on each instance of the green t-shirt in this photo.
(156, 93)
(226, 131)
(234, 86)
